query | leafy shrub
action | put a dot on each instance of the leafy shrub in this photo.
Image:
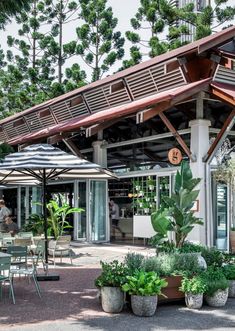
(144, 283)
(229, 271)
(113, 274)
(169, 264)
(215, 280)
(190, 248)
(212, 256)
(133, 261)
(186, 263)
(194, 285)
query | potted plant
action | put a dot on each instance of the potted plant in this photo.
(57, 221)
(175, 212)
(112, 277)
(172, 267)
(216, 293)
(151, 183)
(193, 289)
(144, 287)
(229, 272)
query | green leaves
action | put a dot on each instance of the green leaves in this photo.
(144, 283)
(113, 274)
(175, 213)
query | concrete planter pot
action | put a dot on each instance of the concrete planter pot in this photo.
(231, 289)
(51, 247)
(194, 301)
(144, 305)
(112, 299)
(218, 299)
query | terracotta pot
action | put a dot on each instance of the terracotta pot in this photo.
(172, 291)
(232, 240)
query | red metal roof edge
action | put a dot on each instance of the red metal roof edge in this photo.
(227, 89)
(206, 43)
(108, 113)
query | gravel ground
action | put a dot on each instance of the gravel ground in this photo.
(72, 303)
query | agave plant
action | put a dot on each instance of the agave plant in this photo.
(175, 213)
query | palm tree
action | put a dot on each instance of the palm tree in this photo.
(10, 8)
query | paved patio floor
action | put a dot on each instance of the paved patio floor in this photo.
(72, 303)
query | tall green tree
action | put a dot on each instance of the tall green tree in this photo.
(9, 8)
(60, 13)
(166, 25)
(151, 20)
(99, 45)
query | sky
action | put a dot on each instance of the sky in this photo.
(124, 10)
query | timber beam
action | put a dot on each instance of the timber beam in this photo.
(94, 129)
(228, 124)
(177, 136)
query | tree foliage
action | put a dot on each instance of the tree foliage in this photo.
(99, 45)
(168, 26)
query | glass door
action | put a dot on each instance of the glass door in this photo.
(82, 217)
(221, 226)
(98, 211)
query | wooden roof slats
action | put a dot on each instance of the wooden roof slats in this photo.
(154, 80)
(101, 98)
(63, 111)
(224, 75)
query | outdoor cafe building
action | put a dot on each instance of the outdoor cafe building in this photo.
(140, 122)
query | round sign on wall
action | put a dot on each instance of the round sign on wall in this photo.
(174, 156)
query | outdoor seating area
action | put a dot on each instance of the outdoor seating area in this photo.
(81, 304)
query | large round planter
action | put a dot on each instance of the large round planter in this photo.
(112, 299)
(172, 292)
(144, 305)
(218, 299)
(193, 301)
(231, 289)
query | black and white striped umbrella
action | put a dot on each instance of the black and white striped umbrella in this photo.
(43, 163)
(35, 162)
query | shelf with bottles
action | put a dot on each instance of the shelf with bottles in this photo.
(119, 189)
(144, 195)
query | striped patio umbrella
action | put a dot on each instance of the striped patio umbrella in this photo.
(43, 163)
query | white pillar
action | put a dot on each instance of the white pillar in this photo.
(100, 152)
(199, 146)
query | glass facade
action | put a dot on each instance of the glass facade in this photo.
(98, 211)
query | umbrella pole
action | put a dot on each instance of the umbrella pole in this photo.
(46, 276)
(45, 216)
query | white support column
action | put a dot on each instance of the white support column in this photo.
(199, 146)
(100, 152)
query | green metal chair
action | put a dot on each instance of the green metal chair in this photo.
(5, 275)
(28, 271)
(19, 256)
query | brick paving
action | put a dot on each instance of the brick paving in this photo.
(72, 303)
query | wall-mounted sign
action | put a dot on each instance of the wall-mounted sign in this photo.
(174, 156)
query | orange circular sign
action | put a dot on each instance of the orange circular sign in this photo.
(175, 156)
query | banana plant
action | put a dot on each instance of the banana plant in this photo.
(175, 213)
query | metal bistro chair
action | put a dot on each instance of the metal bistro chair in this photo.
(38, 253)
(5, 275)
(19, 255)
(62, 245)
(25, 269)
